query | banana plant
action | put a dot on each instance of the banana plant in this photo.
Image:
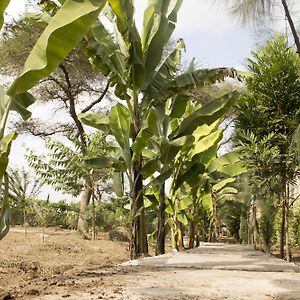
(143, 77)
(66, 29)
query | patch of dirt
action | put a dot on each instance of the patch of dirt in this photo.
(30, 267)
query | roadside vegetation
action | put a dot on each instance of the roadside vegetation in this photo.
(152, 159)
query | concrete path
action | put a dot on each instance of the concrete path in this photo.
(212, 271)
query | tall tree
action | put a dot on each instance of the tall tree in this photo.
(267, 118)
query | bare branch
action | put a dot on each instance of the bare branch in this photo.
(97, 100)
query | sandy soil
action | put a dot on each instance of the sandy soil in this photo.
(67, 267)
(30, 267)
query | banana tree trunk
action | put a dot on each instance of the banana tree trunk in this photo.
(192, 230)
(161, 231)
(84, 202)
(213, 228)
(139, 244)
(191, 235)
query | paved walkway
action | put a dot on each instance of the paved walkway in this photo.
(212, 271)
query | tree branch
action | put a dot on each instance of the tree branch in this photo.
(91, 105)
(72, 109)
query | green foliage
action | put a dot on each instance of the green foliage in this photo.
(109, 214)
(267, 221)
(66, 28)
(269, 114)
(65, 168)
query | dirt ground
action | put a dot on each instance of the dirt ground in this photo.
(67, 267)
(30, 267)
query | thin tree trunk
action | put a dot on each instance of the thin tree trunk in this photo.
(161, 231)
(282, 233)
(84, 202)
(191, 235)
(291, 24)
(255, 233)
(139, 244)
(192, 231)
(180, 235)
(287, 213)
(213, 226)
(94, 216)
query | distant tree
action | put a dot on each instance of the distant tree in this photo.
(22, 189)
(64, 168)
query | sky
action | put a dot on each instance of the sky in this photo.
(212, 36)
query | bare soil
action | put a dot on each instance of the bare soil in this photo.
(30, 267)
(66, 266)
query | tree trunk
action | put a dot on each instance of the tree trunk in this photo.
(139, 244)
(282, 233)
(180, 235)
(161, 231)
(84, 202)
(213, 226)
(191, 235)
(254, 225)
(94, 216)
(291, 24)
(287, 213)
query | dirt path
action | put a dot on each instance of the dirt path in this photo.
(213, 271)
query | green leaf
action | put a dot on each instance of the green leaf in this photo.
(207, 142)
(38, 19)
(154, 123)
(179, 105)
(140, 142)
(229, 190)
(5, 145)
(118, 184)
(191, 176)
(182, 218)
(105, 53)
(207, 203)
(124, 12)
(222, 184)
(165, 73)
(235, 169)
(3, 6)
(184, 203)
(150, 168)
(169, 149)
(205, 130)
(5, 209)
(98, 121)
(159, 23)
(100, 162)
(207, 114)
(66, 29)
(20, 102)
(119, 121)
(226, 159)
(159, 180)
